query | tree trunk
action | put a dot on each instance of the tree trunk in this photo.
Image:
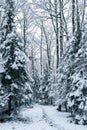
(78, 28)
(57, 34)
(24, 32)
(41, 65)
(9, 101)
(73, 16)
(61, 29)
(48, 49)
(59, 108)
(54, 20)
(32, 60)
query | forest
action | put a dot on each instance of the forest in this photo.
(43, 63)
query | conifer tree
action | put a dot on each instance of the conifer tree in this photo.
(15, 78)
(77, 98)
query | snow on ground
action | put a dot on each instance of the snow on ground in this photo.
(41, 118)
(60, 119)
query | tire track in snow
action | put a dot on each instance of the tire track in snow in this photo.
(50, 122)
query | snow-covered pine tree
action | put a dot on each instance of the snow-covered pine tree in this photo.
(15, 78)
(77, 98)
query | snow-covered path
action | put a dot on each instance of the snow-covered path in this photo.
(41, 118)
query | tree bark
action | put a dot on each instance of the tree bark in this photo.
(41, 65)
(24, 32)
(61, 29)
(9, 101)
(57, 34)
(73, 16)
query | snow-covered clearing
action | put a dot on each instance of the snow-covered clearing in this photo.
(41, 118)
